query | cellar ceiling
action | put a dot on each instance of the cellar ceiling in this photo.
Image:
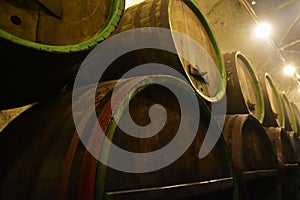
(284, 16)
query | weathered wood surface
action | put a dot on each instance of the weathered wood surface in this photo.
(243, 91)
(253, 157)
(185, 17)
(45, 159)
(287, 161)
(54, 22)
(41, 52)
(274, 114)
(296, 112)
(290, 121)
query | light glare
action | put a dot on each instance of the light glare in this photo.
(289, 70)
(129, 3)
(263, 30)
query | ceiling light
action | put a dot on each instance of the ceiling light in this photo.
(289, 70)
(263, 30)
(253, 2)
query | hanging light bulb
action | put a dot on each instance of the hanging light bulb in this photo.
(263, 30)
(253, 2)
(289, 70)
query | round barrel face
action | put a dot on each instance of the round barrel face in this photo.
(297, 115)
(44, 42)
(250, 146)
(188, 168)
(290, 123)
(275, 102)
(252, 153)
(249, 87)
(54, 22)
(204, 75)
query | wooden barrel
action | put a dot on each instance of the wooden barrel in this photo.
(243, 92)
(286, 159)
(295, 140)
(253, 157)
(290, 121)
(45, 159)
(297, 116)
(183, 16)
(274, 114)
(43, 43)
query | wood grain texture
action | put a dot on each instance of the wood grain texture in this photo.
(287, 161)
(55, 23)
(47, 160)
(290, 121)
(296, 112)
(274, 115)
(243, 91)
(251, 151)
(42, 52)
(186, 18)
(19, 18)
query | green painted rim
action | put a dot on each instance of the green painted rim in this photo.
(293, 120)
(221, 67)
(114, 17)
(241, 56)
(297, 115)
(270, 81)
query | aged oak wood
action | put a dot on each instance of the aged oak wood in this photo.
(254, 159)
(183, 16)
(290, 121)
(274, 114)
(287, 161)
(45, 159)
(243, 92)
(43, 43)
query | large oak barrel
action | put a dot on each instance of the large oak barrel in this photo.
(45, 158)
(290, 121)
(243, 91)
(43, 43)
(297, 116)
(182, 16)
(254, 159)
(274, 114)
(286, 159)
(295, 140)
